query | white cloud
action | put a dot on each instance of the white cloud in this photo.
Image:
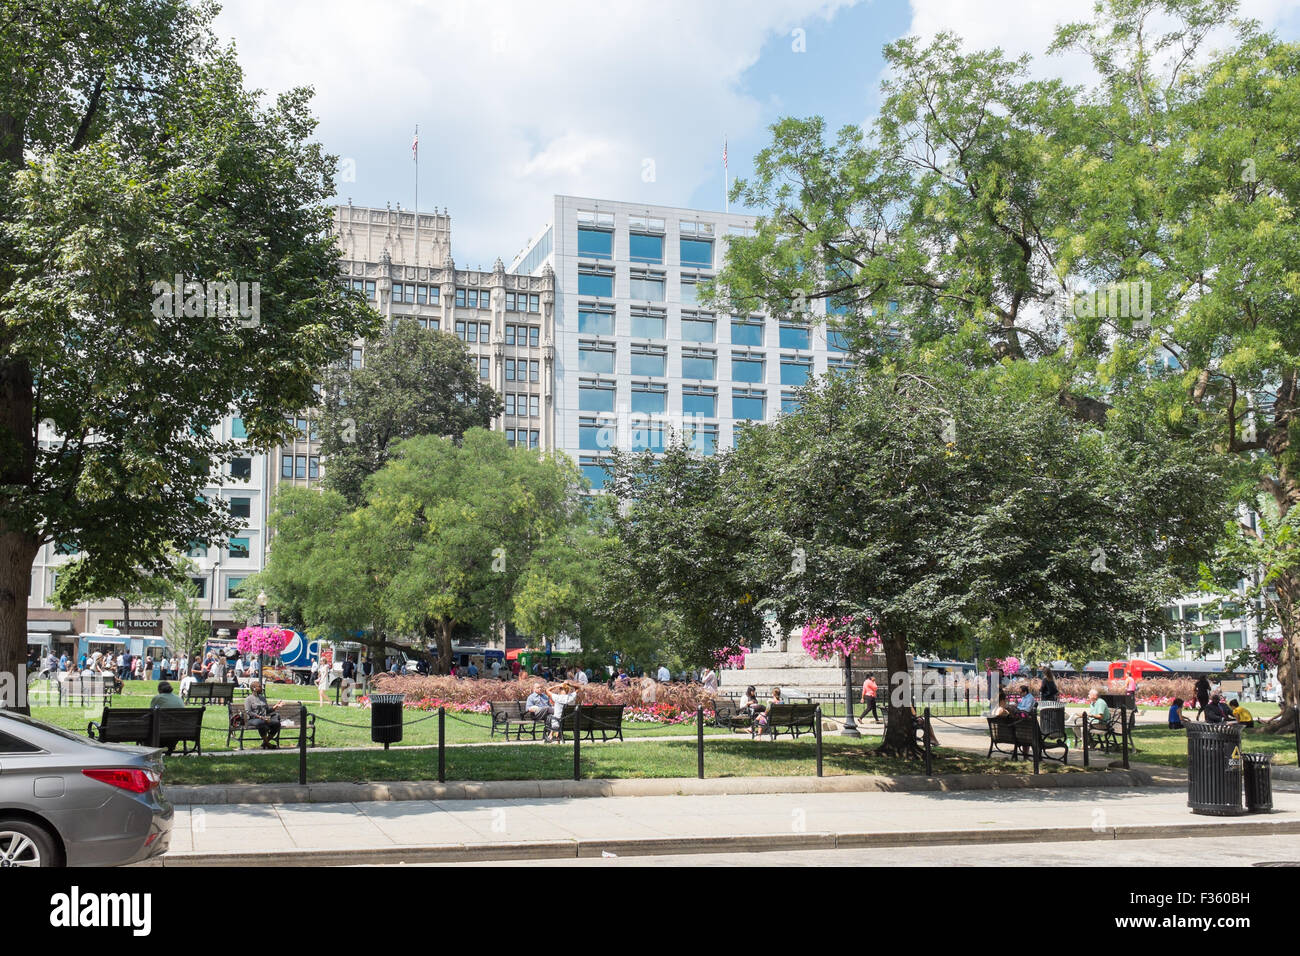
(518, 100)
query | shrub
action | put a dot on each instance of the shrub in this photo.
(464, 694)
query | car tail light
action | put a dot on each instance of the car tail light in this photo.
(135, 781)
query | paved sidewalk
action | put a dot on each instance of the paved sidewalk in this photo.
(457, 830)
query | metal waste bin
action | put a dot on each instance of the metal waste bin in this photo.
(386, 718)
(1214, 765)
(1259, 786)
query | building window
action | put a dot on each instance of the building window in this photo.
(510, 437)
(647, 286)
(484, 368)
(510, 403)
(838, 365)
(592, 217)
(471, 331)
(534, 336)
(794, 337)
(534, 303)
(837, 341)
(747, 366)
(595, 321)
(795, 371)
(649, 360)
(647, 435)
(595, 357)
(313, 466)
(241, 468)
(700, 400)
(534, 370)
(748, 403)
(594, 471)
(534, 406)
(643, 248)
(746, 331)
(65, 547)
(697, 327)
(534, 438)
(649, 398)
(597, 281)
(300, 466)
(789, 403)
(370, 289)
(232, 587)
(649, 323)
(200, 587)
(594, 396)
(697, 253)
(510, 335)
(690, 292)
(701, 438)
(699, 363)
(241, 507)
(596, 435)
(595, 243)
(238, 548)
(356, 358)
(286, 466)
(237, 429)
(645, 224)
(197, 549)
(510, 370)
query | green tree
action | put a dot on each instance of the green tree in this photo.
(131, 153)
(930, 504)
(415, 381)
(188, 630)
(88, 579)
(451, 529)
(1083, 244)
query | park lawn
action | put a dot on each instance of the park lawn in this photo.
(739, 757)
(1160, 745)
(348, 726)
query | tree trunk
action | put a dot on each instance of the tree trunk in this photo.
(17, 552)
(898, 732)
(444, 646)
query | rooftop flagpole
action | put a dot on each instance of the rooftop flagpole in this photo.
(415, 155)
(726, 177)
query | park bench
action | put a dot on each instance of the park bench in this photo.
(134, 725)
(605, 719)
(207, 692)
(239, 729)
(727, 714)
(792, 719)
(507, 714)
(1018, 734)
(86, 692)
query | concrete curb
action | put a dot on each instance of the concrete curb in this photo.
(221, 794)
(569, 849)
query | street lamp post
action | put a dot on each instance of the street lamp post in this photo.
(850, 728)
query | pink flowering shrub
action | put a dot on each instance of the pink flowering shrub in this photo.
(263, 640)
(1009, 666)
(1270, 650)
(731, 657)
(462, 694)
(824, 638)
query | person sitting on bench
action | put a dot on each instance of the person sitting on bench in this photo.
(1241, 714)
(539, 705)
(1098, 712)
(165, 696)
(261, 716)
(1176, 714)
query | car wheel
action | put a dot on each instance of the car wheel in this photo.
(26, 844)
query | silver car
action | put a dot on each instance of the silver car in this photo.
(69, 801)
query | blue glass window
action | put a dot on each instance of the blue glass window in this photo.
(649, 401)
(793, 337)
(648, 436)
(747, 405)
(596, 437)
(697, 253)
(595, 323)
(746, 369)
(698, 401)
(795, 373)
(747, 333)
(698, 366)
(643, 248)
(595, 360)
(594, 283)
(594, 473)
(232, 585)
(837, 341)
(649, 363)
(237, 429)
(649, 288)
(697, 330)
(593, 398)
(595, 244)
(789, 404)
(649, 326)
(239, 547)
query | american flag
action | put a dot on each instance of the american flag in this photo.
(415, 145)
(724, 154)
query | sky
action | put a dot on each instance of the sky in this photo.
(518, 100)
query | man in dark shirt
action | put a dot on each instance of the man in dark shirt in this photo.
(261, 716)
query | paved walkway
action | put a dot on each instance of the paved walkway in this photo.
(427, 831)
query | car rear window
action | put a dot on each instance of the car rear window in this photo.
(12, 745)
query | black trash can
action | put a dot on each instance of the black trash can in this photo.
(1214, 768)
(1259, 786)
(386, 718)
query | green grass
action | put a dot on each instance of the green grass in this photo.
(335, 726)
(738, 757)
(1160, 745)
